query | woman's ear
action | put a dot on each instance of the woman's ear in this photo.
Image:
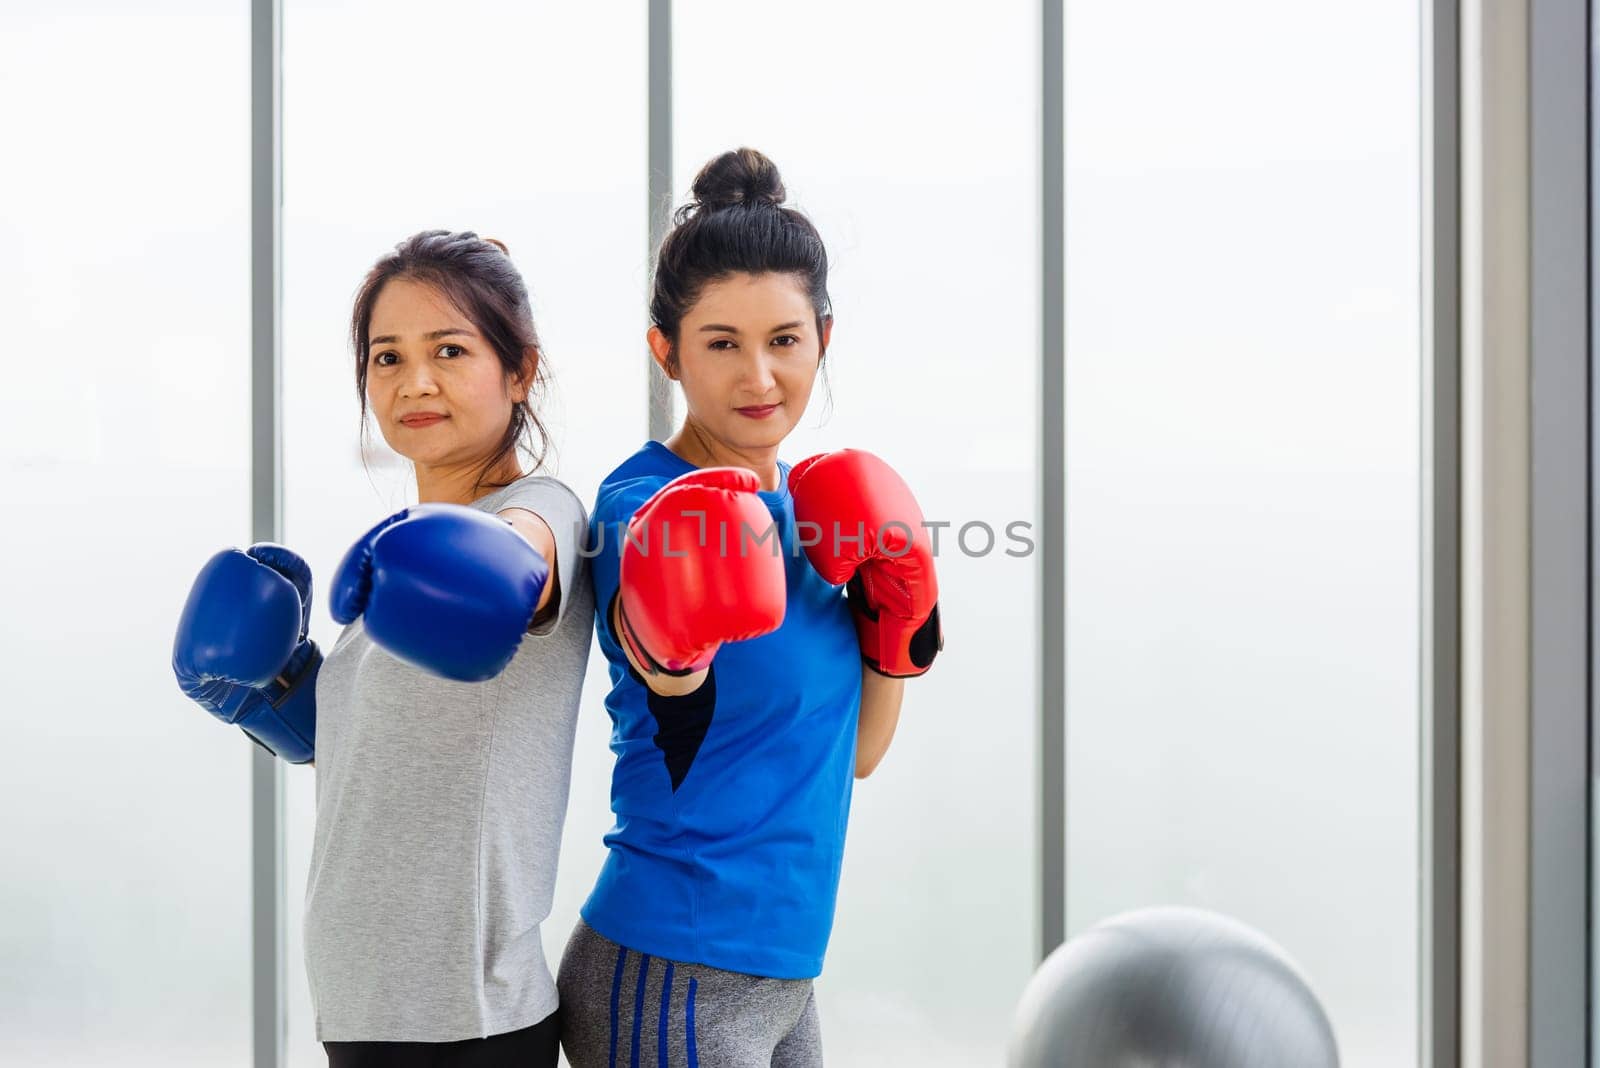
(827, 333)
(660, 350)
(524, 379)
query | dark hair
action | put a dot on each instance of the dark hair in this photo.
(477, 276)
(735, 224)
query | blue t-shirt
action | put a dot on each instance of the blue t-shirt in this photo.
(730, 802)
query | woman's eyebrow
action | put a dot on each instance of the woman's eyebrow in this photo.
(389, 339)
(722, 329)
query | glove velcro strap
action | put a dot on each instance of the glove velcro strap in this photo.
(284, 722)
(626, 635)
(302, 667)
(891, 646)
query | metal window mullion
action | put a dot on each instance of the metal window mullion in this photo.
(658, 80)
(1439, 674)
(1558, 994)
(268, 943)
(1052, 725)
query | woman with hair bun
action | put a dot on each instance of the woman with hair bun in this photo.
(759, 621)
(442, 720)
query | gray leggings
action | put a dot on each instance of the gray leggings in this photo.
(625, 1009)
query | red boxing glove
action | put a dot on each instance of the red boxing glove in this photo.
(692, 578)
(872, 539)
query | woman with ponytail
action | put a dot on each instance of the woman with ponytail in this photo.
(760, 621)
(441, 721)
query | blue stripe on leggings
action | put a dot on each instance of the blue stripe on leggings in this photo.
(661, 1024)
(638, 1007)
(616, 991)
(688, 1014)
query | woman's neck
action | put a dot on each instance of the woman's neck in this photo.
(460, 484)
(694, 444)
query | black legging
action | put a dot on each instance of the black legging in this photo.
(532, 1047)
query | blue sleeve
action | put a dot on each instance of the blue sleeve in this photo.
(608, 526)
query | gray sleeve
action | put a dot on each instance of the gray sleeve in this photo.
(564, 513)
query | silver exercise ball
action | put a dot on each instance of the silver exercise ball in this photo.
(1170, 988)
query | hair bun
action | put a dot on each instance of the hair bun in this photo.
(742, 176)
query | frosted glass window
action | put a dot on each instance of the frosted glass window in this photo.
(1243, 483)
(124, 454)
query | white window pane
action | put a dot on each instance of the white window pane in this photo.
(1242, 312)
(124, 452)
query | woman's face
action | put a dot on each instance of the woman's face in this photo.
(435, 385)
(748, 353)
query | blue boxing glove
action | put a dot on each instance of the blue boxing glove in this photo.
(447, 588)
(242, 653)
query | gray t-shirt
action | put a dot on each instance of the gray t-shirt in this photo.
(439, 814)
